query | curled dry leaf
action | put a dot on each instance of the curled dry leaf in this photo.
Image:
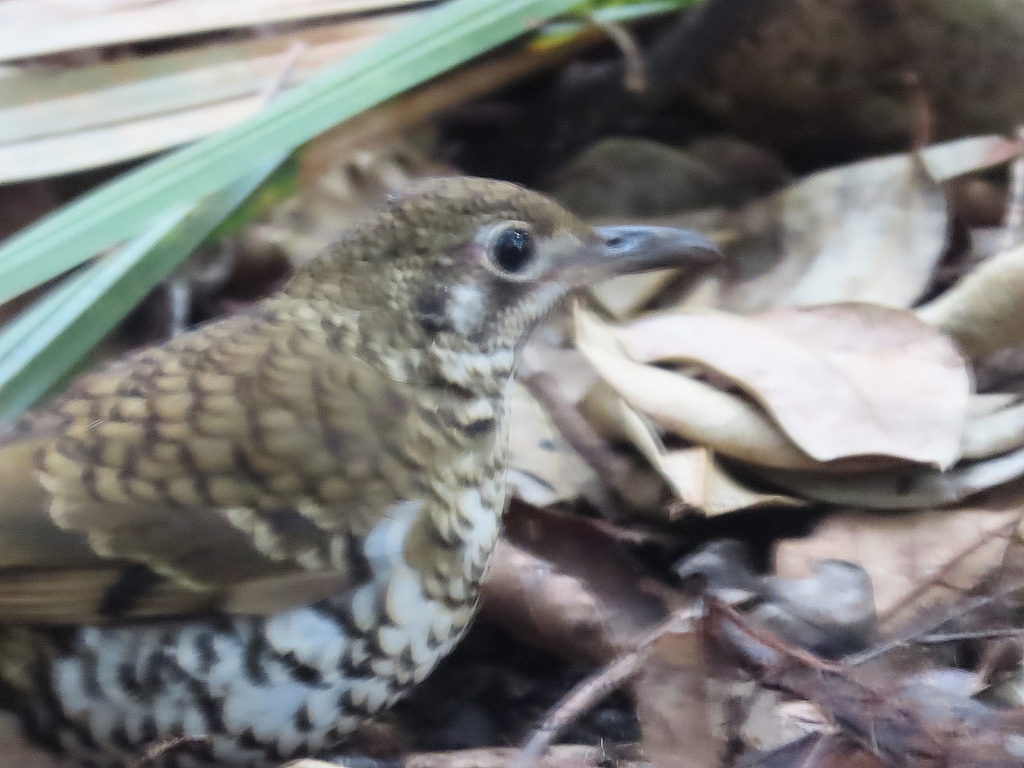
(910, 488)
(982, 312)
(693, 475)
(696, 411)
(994, 432)
(841, 380)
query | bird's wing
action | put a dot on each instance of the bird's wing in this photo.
(242, 459)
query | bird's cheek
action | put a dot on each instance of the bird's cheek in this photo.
(466, 307)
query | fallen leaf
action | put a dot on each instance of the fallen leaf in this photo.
(872, 231)
(975, 153)
(681, 724)
(694, 476)
(982, 312)
(995, 432)
(696, 411)
(841, 380)
(909, 488)
(903, 552)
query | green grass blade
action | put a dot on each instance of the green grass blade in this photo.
(437, 41)
(40, 346)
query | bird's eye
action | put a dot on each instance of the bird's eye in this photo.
(512, 250)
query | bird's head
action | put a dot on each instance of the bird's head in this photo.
(470, 265)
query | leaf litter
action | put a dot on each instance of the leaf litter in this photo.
(815, 383)
(828, 376)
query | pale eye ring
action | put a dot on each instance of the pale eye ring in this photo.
(512, 250)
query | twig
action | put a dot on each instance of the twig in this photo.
(634, 78)
(954, 611)
(588, 693)
(1012, 539)
(981, 634)
(611, 469)
(922, 118)
(938, 577)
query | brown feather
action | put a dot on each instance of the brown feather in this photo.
(241, 454)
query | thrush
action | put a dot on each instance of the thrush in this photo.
(266, 530)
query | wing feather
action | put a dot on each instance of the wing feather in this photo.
(230, 460)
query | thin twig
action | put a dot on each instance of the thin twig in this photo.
(955, 611)
(634, 78)
(981, 634)
(584, 696)
(612, 470)
(922, 117)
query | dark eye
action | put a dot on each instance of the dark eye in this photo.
(513, 249)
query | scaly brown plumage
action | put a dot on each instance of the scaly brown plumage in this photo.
(306, 495)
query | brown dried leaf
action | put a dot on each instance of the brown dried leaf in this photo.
(841, 380)
(694, 476)
(697, 411)
(904, 552)
(565, 584)
(872, 231)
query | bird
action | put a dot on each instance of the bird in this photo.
(260, 534)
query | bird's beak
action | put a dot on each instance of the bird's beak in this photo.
(626, 249)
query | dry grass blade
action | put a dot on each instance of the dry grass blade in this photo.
(30, 28)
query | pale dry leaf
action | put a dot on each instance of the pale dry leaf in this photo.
(840, 380)
(696, 411)
(903, 552)
(982, 312)
(872, 231)
(986, 403)
(968, 155)
(692, 473)
(909, 488)
(994, 432)
(542, 467)
(625, 295)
